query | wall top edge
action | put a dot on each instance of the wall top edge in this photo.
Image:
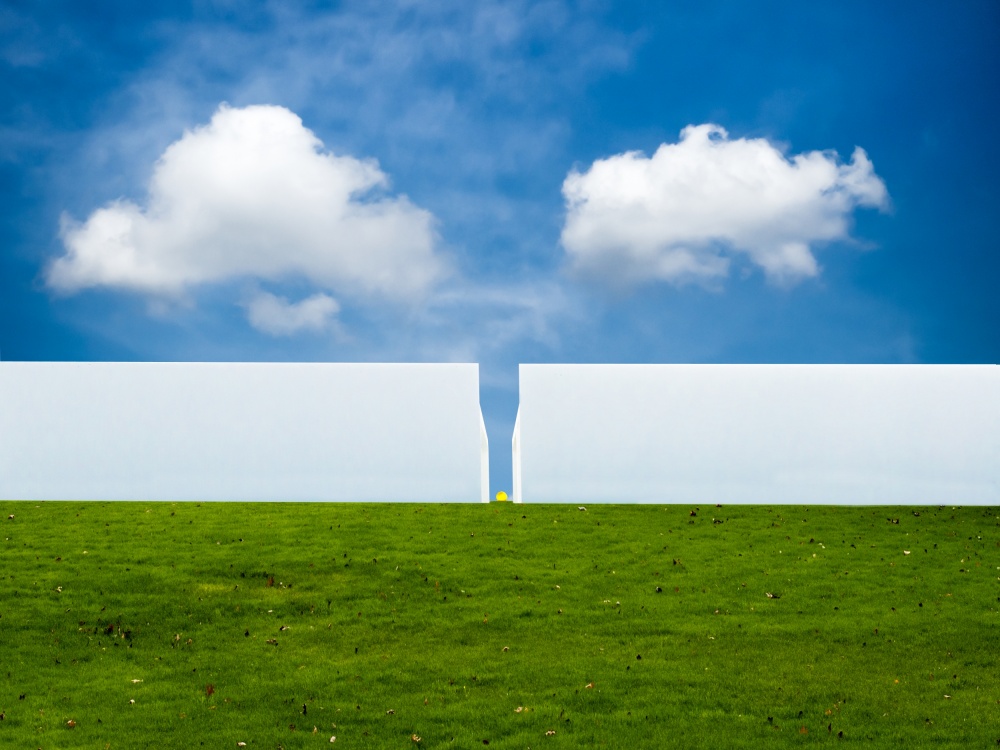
(734, 366)
(531, 365)
(89, 363)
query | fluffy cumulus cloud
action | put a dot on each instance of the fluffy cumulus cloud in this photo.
(253, 195)
(683, 213)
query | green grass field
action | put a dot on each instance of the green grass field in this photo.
(128, 625)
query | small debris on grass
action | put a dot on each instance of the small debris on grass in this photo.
(415, 738)
(589, 686)
(550, 732)
(519, 709)
(333, 739)
(580, 508)
(71, 723)
(131, 701)
(241, 744)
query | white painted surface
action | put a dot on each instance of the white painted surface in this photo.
(515, 446)
(866, 434)
(484, 459)
(241, 431)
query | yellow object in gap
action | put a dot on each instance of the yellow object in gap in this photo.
(501, 497)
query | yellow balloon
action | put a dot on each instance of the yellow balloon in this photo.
(501, 496)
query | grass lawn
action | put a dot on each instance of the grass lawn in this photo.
(127, 625)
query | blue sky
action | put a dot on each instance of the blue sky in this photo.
(500, 182)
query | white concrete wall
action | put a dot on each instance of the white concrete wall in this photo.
(241, 431)
(869, 434)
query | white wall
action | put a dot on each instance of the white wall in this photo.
(241, 431)
(907, 434)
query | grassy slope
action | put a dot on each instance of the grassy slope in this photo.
(452, 617)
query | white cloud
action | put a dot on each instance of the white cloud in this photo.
(680, 214)
(279, 317)
(253, 194)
